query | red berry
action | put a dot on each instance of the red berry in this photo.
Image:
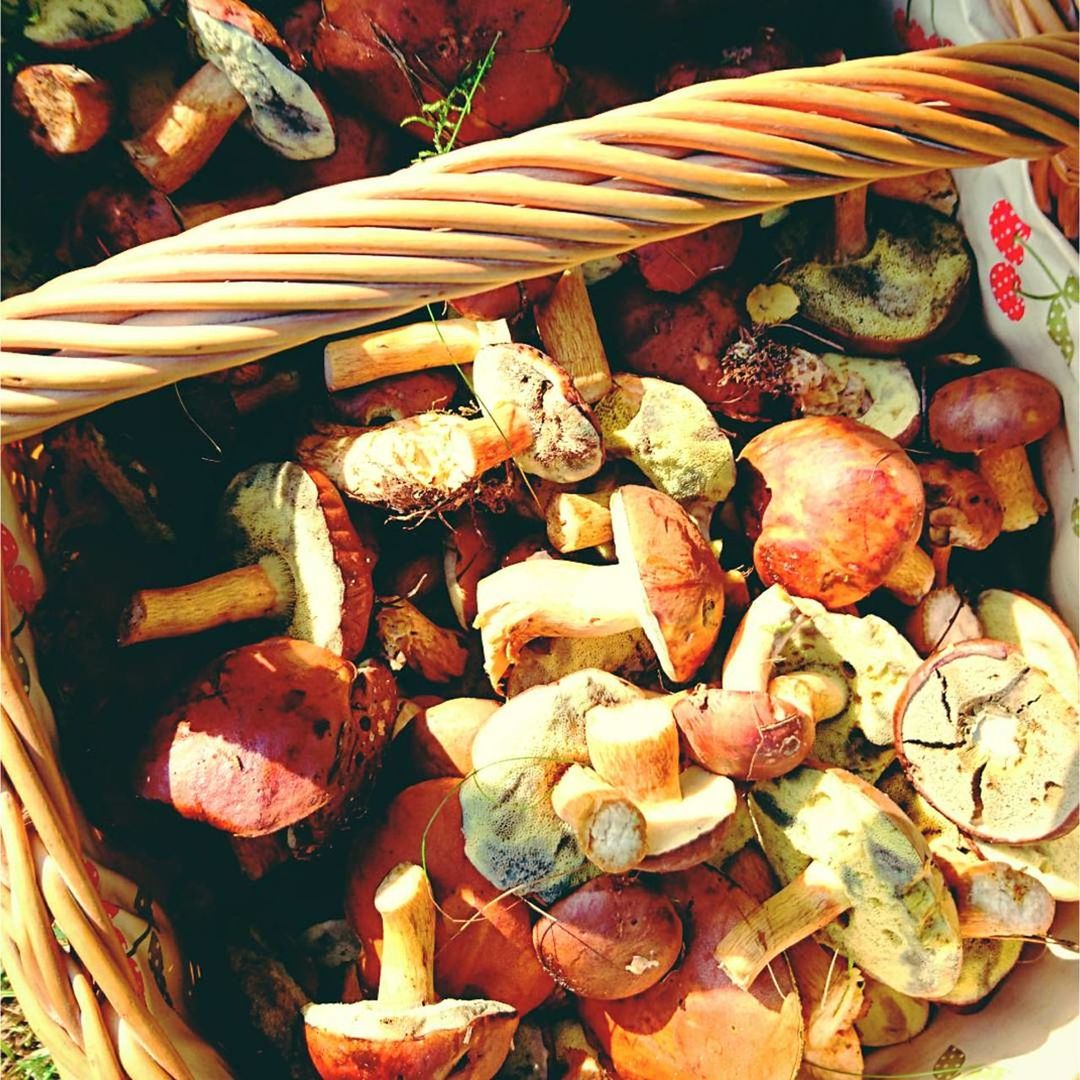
(9, 548)
(21, 587)
(1007, 229)
(1004, 284)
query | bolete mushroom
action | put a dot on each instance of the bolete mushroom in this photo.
(611, 938)
(1055, 863)
(298, 557)
(263, 738)
(483, 936)
(395, 397)
(408, 638)
(64, 25)
(990, 743)
(855, 868)
(634, 746)
(440, 736)
(696, 1024)
(244, 70)
(512, 834)
(667, 581)
(889, 1017)
(995, 415)
(986, 962)
(883, 293)
(608, 826)
(407, 1031)
(545, 660)
(67, 110)
(941, 618)
(469, 554)
(678, 264)
(834, 508)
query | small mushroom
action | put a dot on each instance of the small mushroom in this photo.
(263, 738)
(1055, 863)
(889, 1017)
(995, 415)
(440, 737)
(468, 555)
(678, 264)
(395, 397)
(66, 109)
(667, 431)
(855, 868)
(667, 581)
(634, 746)
(407, 1031)
(112, 219)
(298, 558)
(990, 743)
(578, 521)
(883, 293)
(512, 834)
(410, 639)
(942, 618)
(609, 939)
(483, 936)
(833, 507)
(961, 511)
(695, 1024)
(244, 70)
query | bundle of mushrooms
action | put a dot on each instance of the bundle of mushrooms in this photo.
(672, 760)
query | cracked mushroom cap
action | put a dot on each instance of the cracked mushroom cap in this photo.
(902, 927)
(678, 580)
(295, 515)
(241, 43)
(258, 741)
(989, 742)
(512, 834)
(566, 444)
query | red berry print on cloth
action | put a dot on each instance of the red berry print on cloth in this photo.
(8, 547)
(1004, 283)
(21, 587)
(1007, 230)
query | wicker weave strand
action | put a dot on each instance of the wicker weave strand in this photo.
(333, 260)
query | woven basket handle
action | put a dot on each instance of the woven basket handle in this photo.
(328, 261)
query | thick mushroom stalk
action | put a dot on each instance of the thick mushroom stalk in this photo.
(407, 1031)
(666, 581)
(635, 747)
(609, 828)
(300, 559)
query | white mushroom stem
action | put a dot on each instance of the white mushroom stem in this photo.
(407, 972)
(551, 598)
(568, 330)
(1008, 472)
(609, 828)
(805, 905)
(850, 239)
(190, 128)
(261, 591)
(364, 358)
(576, 522)
(636, 747)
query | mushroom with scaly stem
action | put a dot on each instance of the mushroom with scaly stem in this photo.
(299, 559)
(407, 1031)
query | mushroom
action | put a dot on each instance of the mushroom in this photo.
(243, 71)
(298, 558)
(989, 742)
(410, 639)
(995, 415)
(667, 431)
(67, 110)
(986, 962)
(440, 736)
(469, 555)
(434, 460)
(545, 660)
(609, 939)
(634, 746)
(575, 1054)
(398, 61)
(782, 635)
(578, 521)
(610, 830)
(483, 936)
(407, 1031)
(855, 868)
(263, 738)
(678, 264)
(362, 148)
(395, 397)
(961, 511)
(834, 508)
(530, 1056)
(112, 219)
(512, 834)
(942, 618)
(1055, 863)
(882, 294)
(935, 189)
(374, 703)
(695, 1024)
(667, 581)
(508, 302)
(889, 1017)
(404, 350)
(63, 25)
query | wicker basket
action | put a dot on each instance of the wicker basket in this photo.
(250, 285)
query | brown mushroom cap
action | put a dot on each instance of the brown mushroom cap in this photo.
(997, 409)
(681, 584)
(961, 508)
(990, 743)
(257, 741)
(611, 938)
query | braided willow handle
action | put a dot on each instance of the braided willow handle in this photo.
(328, 261)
